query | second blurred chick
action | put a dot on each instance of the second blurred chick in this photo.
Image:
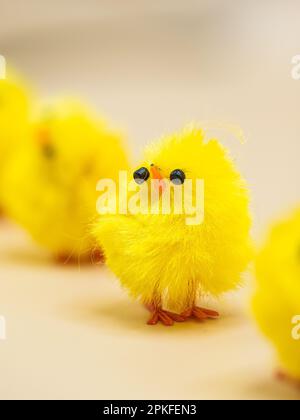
(277, 297)
(50, 185)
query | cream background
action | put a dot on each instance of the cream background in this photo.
(151, 66)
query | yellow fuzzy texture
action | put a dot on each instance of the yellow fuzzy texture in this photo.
(158, 258)
(277, 296)
(50, 185)
(15, 99)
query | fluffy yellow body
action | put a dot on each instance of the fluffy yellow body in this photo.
(50, 185)
(161, 259)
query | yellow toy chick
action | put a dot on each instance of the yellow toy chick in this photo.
(50, 185)
(277, 298)
(161, 259)
(15, 102)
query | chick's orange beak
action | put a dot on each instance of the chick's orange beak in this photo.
(156, 175)
(43, 136)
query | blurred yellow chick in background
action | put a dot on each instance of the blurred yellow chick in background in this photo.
(15, 104)
(161, 260)
(50, 185)
(277, 298)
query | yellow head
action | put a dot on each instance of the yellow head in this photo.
(76, 144)
(187, 157)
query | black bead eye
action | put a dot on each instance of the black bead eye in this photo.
(48, 151)
(177, 177)
(141, 175)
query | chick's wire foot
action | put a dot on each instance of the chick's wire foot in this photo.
(284, 377)
(200, 313)
(97, 256)
(165, 317)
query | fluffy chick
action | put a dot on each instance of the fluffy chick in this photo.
(167, 264)
(15, 104)
(50, 185)
(277, 297)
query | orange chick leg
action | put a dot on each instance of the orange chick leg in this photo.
(167, 318)
(200, 313)
(282, 376)
(94, 256)
(97, 256)
(63, 259)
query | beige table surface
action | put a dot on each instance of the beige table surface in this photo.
(151, 66)
(72, 333)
